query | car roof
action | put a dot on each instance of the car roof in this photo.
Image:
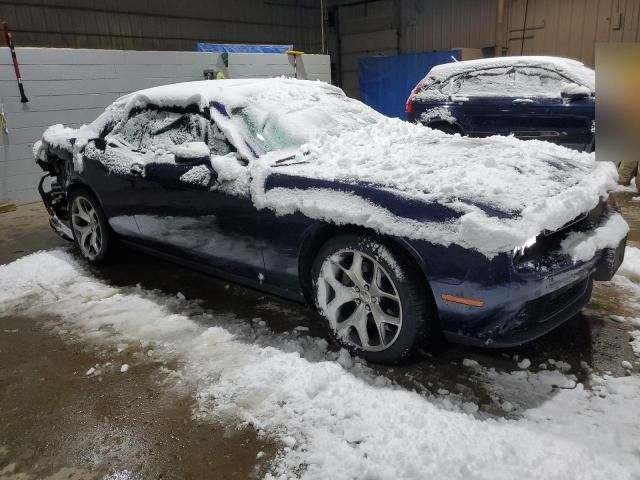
(572, 69)
(204, 92)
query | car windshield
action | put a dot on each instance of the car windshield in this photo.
(274, 127)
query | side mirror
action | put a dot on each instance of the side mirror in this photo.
(191, 153)
(574, 92)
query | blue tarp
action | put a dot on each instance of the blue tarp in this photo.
(386, 82)
(230, 48)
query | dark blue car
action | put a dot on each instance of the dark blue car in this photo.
(290, 187)
(543, 98)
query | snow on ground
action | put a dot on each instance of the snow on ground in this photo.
(630, 268)
(627, 188)
(628, 279)
(332, 416)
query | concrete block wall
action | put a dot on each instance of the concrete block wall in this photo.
(73, 86)
(258, 65)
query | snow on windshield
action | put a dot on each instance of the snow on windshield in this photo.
(289, 119)
(519, 76)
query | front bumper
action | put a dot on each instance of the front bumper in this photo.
(610, 261)
(49, 200)
(528, 308)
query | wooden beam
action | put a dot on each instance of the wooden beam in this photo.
(7, 207)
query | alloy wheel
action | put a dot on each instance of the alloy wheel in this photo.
(360, 300)
(87, 227)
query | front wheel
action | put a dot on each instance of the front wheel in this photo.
(91, 231)
(374, 300)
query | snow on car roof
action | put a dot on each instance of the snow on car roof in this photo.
(572, 69)
(232, 93)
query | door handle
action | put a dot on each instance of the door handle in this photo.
(136, 169)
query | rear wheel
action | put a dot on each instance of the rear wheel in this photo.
(375, 304)
(91, 231)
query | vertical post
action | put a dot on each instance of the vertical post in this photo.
(499, 51)
(524, 26)
(322, 33)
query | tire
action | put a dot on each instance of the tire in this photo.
(446, 128)
(91, 231)
(383, 321)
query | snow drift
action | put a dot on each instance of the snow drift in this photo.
(330, 421)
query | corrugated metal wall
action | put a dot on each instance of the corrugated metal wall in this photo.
(568, 28)
(571, 28)
(162, 24)
(366, 29)
(429, 25)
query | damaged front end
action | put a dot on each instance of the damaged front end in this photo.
(549, 254)
(52, 188)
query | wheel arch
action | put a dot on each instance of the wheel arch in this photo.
(438, 122)
(319, 234)
(75, 185)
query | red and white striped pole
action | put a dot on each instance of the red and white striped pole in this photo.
(9, 39)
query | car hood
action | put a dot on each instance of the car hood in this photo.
(503, 191)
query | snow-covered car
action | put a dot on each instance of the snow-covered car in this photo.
(543, 98)
(394, 231)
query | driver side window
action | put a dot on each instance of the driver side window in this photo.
(541, 81)
(153, 129)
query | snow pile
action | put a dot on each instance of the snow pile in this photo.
(59, 136)
(630, 268)
(603, 418)
(583, 246)
(190, 150)
(199, 175)
(535, 185)
(635, 342)
(628, 280)
(627, 188)
(330, 422)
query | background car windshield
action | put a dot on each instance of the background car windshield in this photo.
(510, 81)
(290, 126)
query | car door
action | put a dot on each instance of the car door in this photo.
(185, 209)
(543, 113)
(106, 170)
(483, 101)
